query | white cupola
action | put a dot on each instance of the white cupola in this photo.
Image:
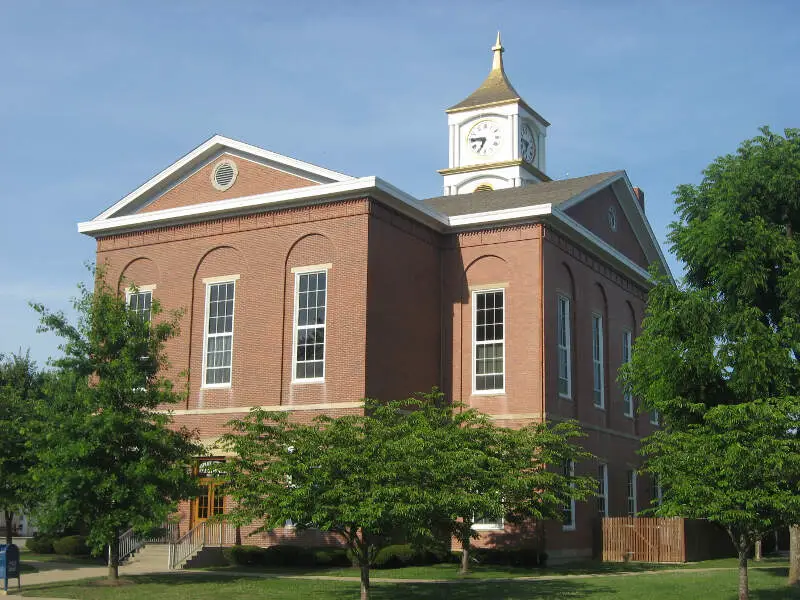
(495, 139)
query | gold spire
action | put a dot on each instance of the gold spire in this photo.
(497, 59)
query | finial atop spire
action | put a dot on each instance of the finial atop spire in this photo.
(497, 59)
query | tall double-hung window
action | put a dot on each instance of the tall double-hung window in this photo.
(597, 360)
(627, 397)
(489, 341)
(602, 490)
(311, 297)
(564, 358)
(631, 491)
(139, 300)
(568, 509)
(218, 357)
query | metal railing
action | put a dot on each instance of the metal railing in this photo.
(129, 543)
(205, 534)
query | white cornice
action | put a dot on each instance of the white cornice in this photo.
(214, 145)
(272, 200)
(600, 244)
(497, 216)
(362, 187)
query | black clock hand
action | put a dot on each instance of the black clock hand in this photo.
(482, 141)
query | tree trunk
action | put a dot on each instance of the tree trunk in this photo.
(465, 544)
(794, 554)
(9, 524)
(743, 585)
(365, 580)
(757, 552)
(113, 558)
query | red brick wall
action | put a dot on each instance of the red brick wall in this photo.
(592, 287)
(403, 299)
(261, 250)
(508, 258)
(252, 178)
(592, 213)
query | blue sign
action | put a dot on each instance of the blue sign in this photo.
(9, 564)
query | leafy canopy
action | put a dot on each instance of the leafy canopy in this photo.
(718, 354)
(111, 460)
(417, 467)
(20, 389)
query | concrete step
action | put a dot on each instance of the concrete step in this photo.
(150, 556)
(206, 557)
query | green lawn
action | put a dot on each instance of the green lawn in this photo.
(765, 584)
(450, 571)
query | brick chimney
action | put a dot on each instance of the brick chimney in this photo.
(639, 196)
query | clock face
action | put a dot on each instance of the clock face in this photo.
(527, 145)
(484, 138)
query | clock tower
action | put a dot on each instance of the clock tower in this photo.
(495, 139)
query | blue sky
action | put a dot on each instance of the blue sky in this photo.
(96, 97)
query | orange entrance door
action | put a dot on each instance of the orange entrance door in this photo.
(210, 502)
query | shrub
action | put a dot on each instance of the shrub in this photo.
(286, 555)
(331, 557)
(40, 543)
(405, 555)
(72, 545)
(394, 556)
(245, 555)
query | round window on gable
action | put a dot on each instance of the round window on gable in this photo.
(612, 218)
(223, 175)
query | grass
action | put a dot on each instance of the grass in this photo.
(450, 571)
(768, 583)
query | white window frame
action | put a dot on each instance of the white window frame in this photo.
(475, 343)
(655, 418)
(210, 281)
(630, 491)
(627, 396)
(499, 524)
(655, 486)
(597, 362)
(298, 271)
(566, 348)
(139, 289)
(568, 468)
(602, 481)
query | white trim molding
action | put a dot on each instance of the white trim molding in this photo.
(220, 279)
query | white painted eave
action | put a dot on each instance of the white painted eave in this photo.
(364, 187)
(213, 145)
(313, 194)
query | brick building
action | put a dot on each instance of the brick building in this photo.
(306, 290)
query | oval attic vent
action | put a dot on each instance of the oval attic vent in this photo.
(224, 175)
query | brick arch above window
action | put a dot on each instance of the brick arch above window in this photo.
(139, 271)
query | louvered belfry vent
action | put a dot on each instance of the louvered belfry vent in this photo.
(224, 175)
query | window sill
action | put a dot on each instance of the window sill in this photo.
(487, 528)
(568, 528)
(600, 407)
(565, 396)
(488, 392)
(310, 380)
(627, 416)
(215, 386)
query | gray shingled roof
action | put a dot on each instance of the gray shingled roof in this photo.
(549, 192)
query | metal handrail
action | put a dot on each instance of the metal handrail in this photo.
(214, 534)
(129, 543)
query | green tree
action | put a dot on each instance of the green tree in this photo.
(111, 460)
(498, 472)
(20, 389)
(718, 354)
(401, 466)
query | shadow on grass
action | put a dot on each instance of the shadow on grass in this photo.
(451, 590)
(479, 590)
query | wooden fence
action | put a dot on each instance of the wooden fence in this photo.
(644, 540)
